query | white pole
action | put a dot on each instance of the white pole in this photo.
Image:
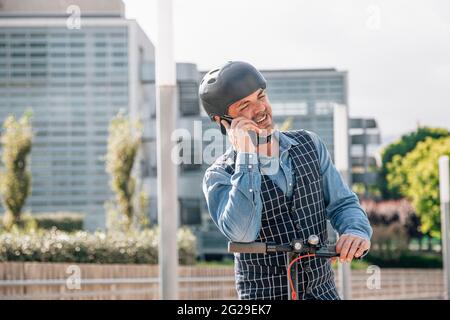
(444, 186)
(166, 109)
(341, 161)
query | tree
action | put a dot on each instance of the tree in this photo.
(15, 179)
(421, 174)
(395, 152)
(123, 144)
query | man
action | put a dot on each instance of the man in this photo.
(250, 201)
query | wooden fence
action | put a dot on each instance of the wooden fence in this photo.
(92, 281)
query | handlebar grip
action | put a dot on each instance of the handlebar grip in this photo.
(251, 247)
(330, 252)
(327, 252)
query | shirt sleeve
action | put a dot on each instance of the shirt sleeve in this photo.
(342, 205)
(234, 201)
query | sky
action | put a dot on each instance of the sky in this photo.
(397, 53)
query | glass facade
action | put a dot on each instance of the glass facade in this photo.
(74, 81)
(307, 97)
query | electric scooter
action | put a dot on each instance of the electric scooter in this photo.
(296, 250)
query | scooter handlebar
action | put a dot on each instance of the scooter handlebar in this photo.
(263, 247)
(251, 247)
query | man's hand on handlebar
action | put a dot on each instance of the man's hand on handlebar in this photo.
(350, 246)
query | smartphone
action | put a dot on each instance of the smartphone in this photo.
(256, 140)
(228, 119)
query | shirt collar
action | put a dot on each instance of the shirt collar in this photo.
(286, 142)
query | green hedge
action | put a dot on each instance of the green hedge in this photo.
(64, 221)
(406, 259)
(83, 247)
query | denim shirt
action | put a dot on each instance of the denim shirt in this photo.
(235, 204)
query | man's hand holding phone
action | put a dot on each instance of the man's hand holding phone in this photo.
(238, 133)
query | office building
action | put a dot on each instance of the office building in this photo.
(76, 73)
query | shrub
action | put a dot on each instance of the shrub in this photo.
(63, 221)
(124, 142)
(394, 224)
(83, 247)
(406, 259)
(15, 178)
(187, 246)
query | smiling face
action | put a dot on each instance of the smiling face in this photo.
(255, 107)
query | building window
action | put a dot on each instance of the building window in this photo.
(291, 108)
(323, 108)
(190, 213)
(188, 97)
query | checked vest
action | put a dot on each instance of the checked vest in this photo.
(264, 276)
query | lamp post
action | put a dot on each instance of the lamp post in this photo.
(341, 161)
(166, 109)
(444, 186)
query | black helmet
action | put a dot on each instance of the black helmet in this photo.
(227, 84)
